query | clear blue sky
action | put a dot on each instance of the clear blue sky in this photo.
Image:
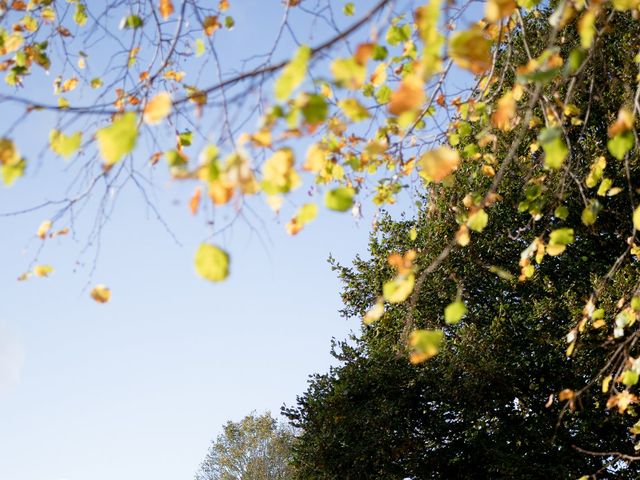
(138, 387)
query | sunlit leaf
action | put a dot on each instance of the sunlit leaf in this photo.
(471, 50)
(279, 174)
(65, 145)
(157, 108)
(437, 164)
(293, 73)
(339, 199)
(303, 216)
(408, 97)
(101, 294)
(42, 270)
(354, 110)
(44, 228)
(425, 344)
(166, 8)
(211, 262)
(118, 139)
(454, 312)
(555, 149)
(497, 9)
(398, 289)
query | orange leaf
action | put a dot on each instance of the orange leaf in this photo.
(210, 24)
(101, 294)
(44, 228)
(409, 96)
(194, 203)
(157, 108)
(166, 8)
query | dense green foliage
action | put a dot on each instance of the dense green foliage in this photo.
(504, 398)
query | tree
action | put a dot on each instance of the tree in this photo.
(258, 448)
(529, 169)
(502, 393)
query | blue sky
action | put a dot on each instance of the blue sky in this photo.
(138, 387)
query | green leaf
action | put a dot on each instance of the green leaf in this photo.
(80, 14)
(293, 74)
(561, 212)
(629, 378)
(185, 138)
(478, 220)
(229, 22)
(561, 236)
(339, 199)
(555, 150)
(353, 110)
(590, 213)
(118, 139)
(454, 312)
(132, 22)
(349, 9)
(11, 172)
(211, 263)
(315, 110)
(619, 145)
(65, 145)
(398, 289)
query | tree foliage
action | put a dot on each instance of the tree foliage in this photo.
(256, 448)
(524, 257)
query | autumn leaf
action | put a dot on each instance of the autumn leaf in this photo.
(293, 73)
(194, 202)
(210, 24)
(101, 294)
(303, 216)
(279, 174)
(118, 139)
(64, 145)
(471, 50)
(425, 344)
(437, 164)
(498, 9)
(44, 228)
(157, 108)
(211, 262)
(409, 96)
(166, 8)
(42, 270)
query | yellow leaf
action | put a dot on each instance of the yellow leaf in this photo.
(497, 9)
(211, 262)
(44, 228)
(118, 139)
(157, 108)
(304, 215)
(42, 270)
(439, 163)
(409, 97)
(70, 84)
(425, 344)
(471, 50)
(101, 294)
(65, 145)
(398, 289)
(293, 73)
(9, 154)
(586, 28)
(278, 173)
(502, 117)
(427, 18)
(374, 313)
(316, 159)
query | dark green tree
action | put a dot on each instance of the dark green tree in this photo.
(511, 393)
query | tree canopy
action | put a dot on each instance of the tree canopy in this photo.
(516, 290)
(258, 448)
